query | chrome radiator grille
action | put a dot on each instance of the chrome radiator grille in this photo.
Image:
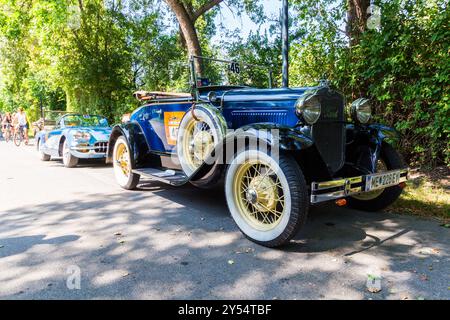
(101, 147)
(329, 131)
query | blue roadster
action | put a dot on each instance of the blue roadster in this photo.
(75, 137)
(276, 150)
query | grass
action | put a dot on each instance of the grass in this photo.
(425, 195)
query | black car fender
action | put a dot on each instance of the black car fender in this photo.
(274, 135)
(266, 136)
(135, 138)
(364, 143)
(373, 133)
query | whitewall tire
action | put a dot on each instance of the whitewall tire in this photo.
(43, 156)
(123, 170)
(267, 198)
(199, 132)
(69, 160)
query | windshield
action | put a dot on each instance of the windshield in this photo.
(85, 121)
(51, 117)
(218, 72)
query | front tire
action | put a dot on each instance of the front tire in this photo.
(376, 200)
(122, 165)
(268, 199)
(17, 139)
(69, 160)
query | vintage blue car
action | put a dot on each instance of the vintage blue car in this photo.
(75, 137)
(277, 150)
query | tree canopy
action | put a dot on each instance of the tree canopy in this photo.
(90, 55)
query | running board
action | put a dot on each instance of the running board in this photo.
(173, 177)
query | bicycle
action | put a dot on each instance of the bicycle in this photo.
(7, 133)
(19, 136)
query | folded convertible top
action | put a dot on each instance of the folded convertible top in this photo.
(157, 95)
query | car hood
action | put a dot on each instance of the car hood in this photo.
(251, 94)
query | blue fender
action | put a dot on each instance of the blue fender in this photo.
(39, 136)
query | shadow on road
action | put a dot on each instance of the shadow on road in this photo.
(16, 245)
(164, 242)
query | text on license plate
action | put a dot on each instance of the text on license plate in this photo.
(382, 180)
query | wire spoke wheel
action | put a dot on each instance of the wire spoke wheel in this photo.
(381, 167)
(18, 137)
(267, 196)
(378, 200)
(123, 160)
(198, 141)
(259, 195)
(122, 163)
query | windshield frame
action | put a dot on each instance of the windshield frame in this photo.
(83, 124)
(195, 80)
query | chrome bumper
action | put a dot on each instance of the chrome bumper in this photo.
(341, 188)
(87, 150)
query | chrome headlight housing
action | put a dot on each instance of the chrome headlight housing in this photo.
(81, 135)
(309, 108)
(361, 110)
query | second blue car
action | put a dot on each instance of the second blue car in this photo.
(75, 137)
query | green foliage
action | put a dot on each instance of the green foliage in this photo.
(85, 56)
(404, 67)
(258, 50)
(90, 55)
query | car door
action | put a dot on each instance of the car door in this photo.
(160, 122)
(52, 139)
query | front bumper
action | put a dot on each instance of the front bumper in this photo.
(341, 188)
(88, 151)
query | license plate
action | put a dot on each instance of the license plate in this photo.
(382, 180)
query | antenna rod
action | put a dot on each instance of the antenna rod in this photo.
(285, 39)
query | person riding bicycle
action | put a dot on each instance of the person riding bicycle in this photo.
(6, 125)
(22, 123)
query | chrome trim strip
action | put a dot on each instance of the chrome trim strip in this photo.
(346, 186)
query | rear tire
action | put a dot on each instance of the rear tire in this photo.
(269, 203)
(69, 160)
(43, 156)
(393, 161)
(123, 170)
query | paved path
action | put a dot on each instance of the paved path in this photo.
(165, 243)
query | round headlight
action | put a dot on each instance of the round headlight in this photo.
(82, 135)
(309, 108)
(361, 110)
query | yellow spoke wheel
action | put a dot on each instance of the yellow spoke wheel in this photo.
(365, 196)
(123, 165)
(259, 195)
(198, 141)
(267, 196)
(122, 159)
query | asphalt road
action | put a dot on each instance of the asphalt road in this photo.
(162, 242)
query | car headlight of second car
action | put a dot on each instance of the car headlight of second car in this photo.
(309, 108)
(82, 136)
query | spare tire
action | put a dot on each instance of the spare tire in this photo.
(201, 129)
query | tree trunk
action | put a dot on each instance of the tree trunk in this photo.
(357, 19)
(187, 26)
